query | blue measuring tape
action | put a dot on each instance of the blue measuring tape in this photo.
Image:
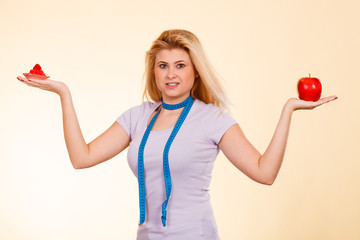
(187, 104)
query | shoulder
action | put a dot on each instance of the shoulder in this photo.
(208, 109)
(213, 120)
(135, 113)
(136, 116)
(144, 107)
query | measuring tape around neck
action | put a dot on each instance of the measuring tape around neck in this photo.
(187, 104)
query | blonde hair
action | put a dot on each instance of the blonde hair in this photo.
(206, 88)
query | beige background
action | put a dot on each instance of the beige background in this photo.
(260, 48)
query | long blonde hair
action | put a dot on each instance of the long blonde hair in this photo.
(207, 87)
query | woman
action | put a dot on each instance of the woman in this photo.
(174, 139)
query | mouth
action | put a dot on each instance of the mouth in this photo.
(172, 84)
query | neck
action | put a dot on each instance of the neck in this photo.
(177, 105)
(175, 100)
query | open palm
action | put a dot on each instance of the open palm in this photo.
(47, 84)
(298, 104)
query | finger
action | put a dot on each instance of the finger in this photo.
(36, 81)
(27, 83)
(327, 99)
(332, 98)
(30, 82)
(20, 78)
(34, 84)
(324, 100)
(24, 80)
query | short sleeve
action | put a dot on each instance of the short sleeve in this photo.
(216, 123)
(130, 118)
(125, 121)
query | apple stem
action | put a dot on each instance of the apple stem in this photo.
(309, 75)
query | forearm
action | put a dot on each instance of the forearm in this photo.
(264, 168)
(270, 162)
(75, 143)
(82, 155)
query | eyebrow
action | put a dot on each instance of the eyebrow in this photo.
(174, 62)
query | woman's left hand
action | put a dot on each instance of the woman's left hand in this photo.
(264, 168)
(298, 104)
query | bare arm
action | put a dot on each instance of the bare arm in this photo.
(83, 155)
(264, 168)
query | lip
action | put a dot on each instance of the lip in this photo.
(172, 86)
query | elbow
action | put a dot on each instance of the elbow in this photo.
(77, 167)
(268, 180)
(77, 164)
(268, 177)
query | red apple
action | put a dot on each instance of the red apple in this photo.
(309, 88)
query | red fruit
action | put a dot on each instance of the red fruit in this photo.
(37, 67)
(36, 73)
(37, 70)
(309, 88)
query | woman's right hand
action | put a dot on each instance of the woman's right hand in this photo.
(59, 88)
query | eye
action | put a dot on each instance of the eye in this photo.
(163, 65)
(180, 65)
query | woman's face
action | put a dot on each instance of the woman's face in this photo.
(174, 74)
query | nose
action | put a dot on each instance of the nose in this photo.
(171, 73)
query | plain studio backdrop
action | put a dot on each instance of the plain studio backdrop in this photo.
(259, 48)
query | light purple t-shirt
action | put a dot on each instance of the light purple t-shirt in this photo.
(191, 160)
